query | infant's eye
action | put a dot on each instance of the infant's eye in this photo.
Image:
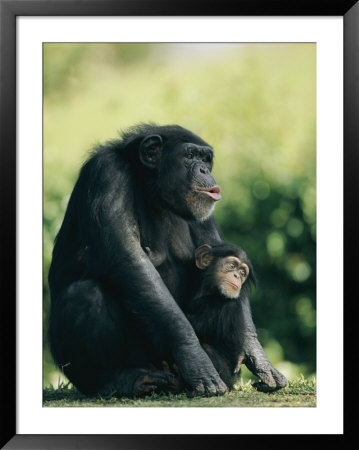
(232, 266)
(243, 273)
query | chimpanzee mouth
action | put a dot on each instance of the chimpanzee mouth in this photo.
(213, 192)
(234, 286)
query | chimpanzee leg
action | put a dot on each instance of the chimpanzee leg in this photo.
(255, 358)
(222, 366)
(97, 345)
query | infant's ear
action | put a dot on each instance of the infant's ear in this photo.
(203, 256)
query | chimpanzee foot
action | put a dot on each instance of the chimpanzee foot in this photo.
(154, 381)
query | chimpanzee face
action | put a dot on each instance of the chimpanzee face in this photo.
(183, 177)
(230, 274)
(223, 273)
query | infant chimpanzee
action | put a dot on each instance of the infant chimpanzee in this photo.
(225, 274)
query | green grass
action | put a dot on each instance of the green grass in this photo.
(299, 393)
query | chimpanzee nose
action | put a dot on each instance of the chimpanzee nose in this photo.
(236, 275)
(204, 170)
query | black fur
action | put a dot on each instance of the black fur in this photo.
(122, 266)
(217, 320)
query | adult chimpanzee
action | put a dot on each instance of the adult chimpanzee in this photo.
(215, 311)
(122, 268)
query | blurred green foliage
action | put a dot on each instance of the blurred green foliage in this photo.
(256, 104)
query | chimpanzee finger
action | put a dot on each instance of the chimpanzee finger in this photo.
(270, 381)
(280, 379)
(198, 391)
(165, 366)
(146, 389)
(267, 379)
(262, 387)
(221, 387)
(176, 370)
(154, 380)
(210, 390)
(161, 377)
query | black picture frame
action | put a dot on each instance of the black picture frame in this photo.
(9, 10)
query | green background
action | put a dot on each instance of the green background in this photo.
(256, 105)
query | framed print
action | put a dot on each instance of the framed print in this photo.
(265, 82)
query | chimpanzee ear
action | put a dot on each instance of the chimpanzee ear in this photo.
(150, 150)
(203, 256)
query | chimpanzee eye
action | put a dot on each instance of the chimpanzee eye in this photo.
(243, 273)
(189, 156)
(232, 265)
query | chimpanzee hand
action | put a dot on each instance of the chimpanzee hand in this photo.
(199, 373)
(255, 358)
(258, 363)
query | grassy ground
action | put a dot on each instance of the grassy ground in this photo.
(300, 393)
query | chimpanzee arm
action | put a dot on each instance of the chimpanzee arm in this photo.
(113, 235)
(255, 358)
